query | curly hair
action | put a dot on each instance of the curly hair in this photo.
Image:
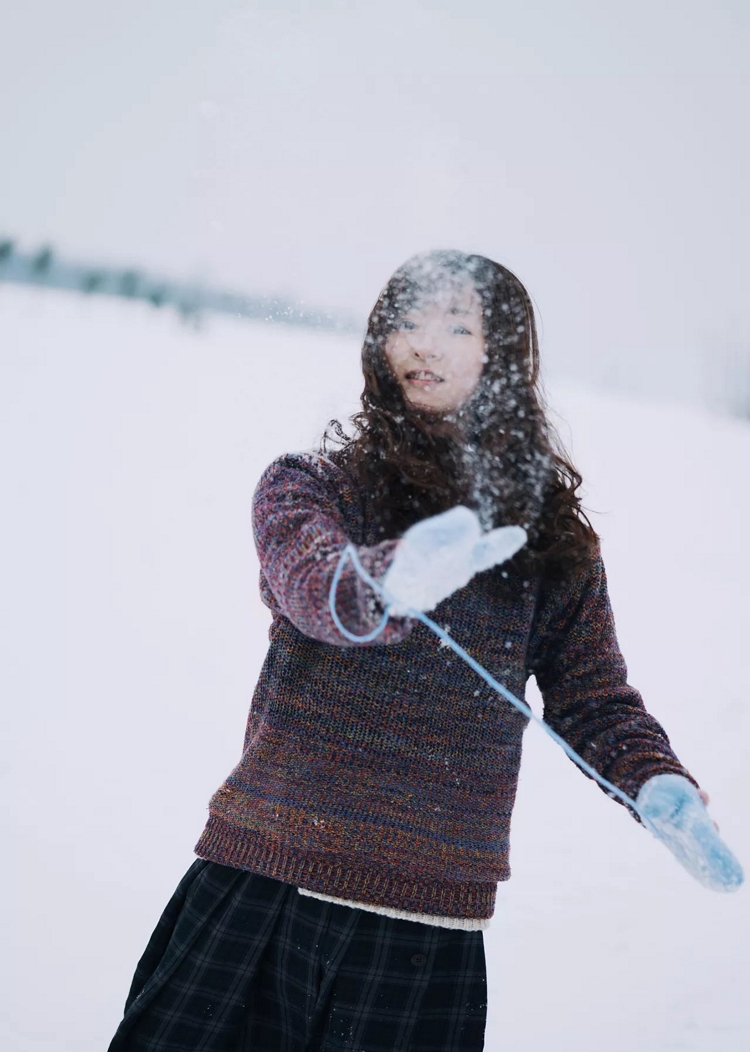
(496, 453)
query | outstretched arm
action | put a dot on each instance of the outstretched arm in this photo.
(589, 702)
(300, 534)
(582, 677)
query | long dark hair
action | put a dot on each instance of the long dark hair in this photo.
(497, 453)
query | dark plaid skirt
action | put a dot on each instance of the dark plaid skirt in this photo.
(242, 963)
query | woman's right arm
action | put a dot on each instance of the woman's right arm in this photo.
(299, 536)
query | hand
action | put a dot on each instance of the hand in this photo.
(674, 811)
(706, 800)
(440, 554)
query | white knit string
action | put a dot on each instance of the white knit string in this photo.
(350, 552)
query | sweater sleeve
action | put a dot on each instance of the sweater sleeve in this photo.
(582, 677)
(299, 532)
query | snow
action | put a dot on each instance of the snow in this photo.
(133, 634)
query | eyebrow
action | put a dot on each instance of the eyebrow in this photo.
(416, 309)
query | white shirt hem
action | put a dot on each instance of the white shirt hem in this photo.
(464, 923)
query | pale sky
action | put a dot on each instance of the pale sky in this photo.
(597, 149)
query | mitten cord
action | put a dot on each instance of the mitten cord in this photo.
(350, 552)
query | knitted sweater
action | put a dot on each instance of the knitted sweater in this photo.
(384, 773)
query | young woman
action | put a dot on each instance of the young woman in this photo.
(350, 861)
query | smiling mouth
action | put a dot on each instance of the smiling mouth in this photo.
(424, 376)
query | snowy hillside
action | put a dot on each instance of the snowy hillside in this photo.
(133, 634)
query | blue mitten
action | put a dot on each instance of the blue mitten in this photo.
(441, 554)
(671, 808)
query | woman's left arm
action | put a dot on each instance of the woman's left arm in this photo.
(582, 676)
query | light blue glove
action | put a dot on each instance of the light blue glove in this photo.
(671, 808)
(441, 554)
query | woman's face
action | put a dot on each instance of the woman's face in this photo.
(437, 352)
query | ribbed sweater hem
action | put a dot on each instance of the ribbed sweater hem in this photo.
(344, 878)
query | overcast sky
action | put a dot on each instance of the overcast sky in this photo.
(598, 149)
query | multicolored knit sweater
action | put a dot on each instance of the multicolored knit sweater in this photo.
(384, 773)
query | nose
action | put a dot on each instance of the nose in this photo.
(425, 353)
(424, 344)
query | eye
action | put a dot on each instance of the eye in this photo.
(405, 323)
(461, 330)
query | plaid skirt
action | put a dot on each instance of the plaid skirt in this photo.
(240, 962)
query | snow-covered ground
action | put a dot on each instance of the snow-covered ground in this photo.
(132, 636)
